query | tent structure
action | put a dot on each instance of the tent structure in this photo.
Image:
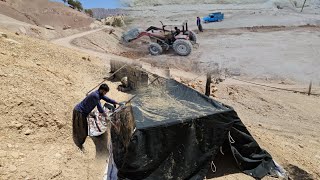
(171, 131)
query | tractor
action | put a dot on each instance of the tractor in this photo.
(164, 38)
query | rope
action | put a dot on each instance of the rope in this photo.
(284, 89)
(215, 168)
(231, 140)
(221, 150)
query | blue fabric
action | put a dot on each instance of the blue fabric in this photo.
(91, 101)
(198, 21)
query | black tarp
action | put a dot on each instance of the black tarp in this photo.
(171, 131)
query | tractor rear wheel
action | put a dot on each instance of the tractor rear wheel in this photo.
(155, 49)
(182, 47)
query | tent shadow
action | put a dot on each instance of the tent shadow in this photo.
(225, 164)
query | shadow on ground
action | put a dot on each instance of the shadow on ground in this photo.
(296, 173)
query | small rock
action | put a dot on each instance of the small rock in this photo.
(260, 124)
(84, 58)
(49, 27)
(15, 155)
(14, 55)
(12, 168)
(231, 93)
(214, 89)
(300, 146)
(10, 146)
(28, 132)
(3, 53)
(16, 125)
(193, 86)
(3, 35)
(24, 174)
(60, 124)
(111, 31)
(17, 33)
(213, 95)
(65, 27)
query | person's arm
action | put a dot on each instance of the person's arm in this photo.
(109, 100)
(100, 109)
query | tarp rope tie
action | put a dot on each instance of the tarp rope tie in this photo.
(215, 168)
(221, 150)
(231, 140)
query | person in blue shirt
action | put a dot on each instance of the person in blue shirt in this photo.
(82, 110)
(199, 24)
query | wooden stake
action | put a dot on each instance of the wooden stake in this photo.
(208, 83)
(303, 5)
(310, 86)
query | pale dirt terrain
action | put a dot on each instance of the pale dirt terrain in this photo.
(41, 82)
(40, 85)
(31, 17)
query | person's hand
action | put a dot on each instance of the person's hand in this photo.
(103, 114)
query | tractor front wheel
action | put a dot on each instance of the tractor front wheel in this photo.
(155, 49)
(182, 47)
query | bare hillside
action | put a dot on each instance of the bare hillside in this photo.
(44, 12)
(40, 83)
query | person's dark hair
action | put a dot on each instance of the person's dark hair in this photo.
(104, 87)
(175, 27)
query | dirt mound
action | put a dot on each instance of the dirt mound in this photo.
(44, 12)
(108, 41)
(40, 84)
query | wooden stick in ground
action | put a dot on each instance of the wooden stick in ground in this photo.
(310, 86)
(208, 83)
(106, 78)
(303, 5)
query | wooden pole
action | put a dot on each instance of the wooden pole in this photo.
(310, 86)
(208, 83)
(106, 78)
(303, 5)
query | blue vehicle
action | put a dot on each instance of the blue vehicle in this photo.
(214, 17)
